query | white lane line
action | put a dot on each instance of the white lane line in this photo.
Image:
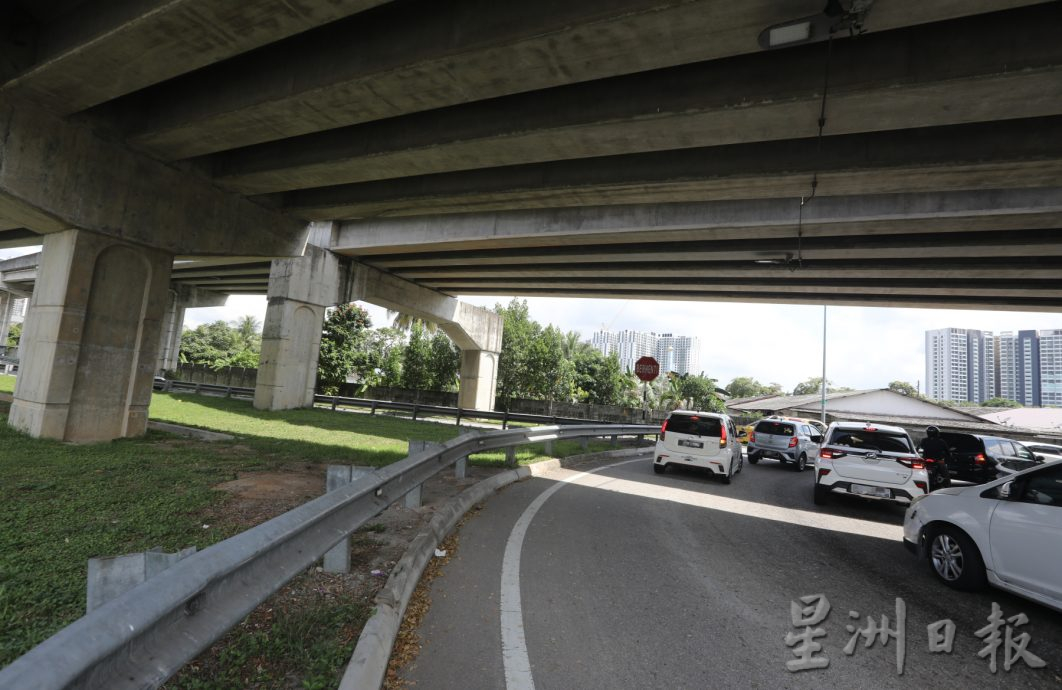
(514, 644)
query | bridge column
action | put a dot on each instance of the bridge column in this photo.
(7, 308)
(300, 290)
(91, 336)
(479, 380)
(172, 328)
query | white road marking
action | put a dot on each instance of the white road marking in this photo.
(514, 644)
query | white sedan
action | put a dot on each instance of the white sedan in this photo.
(1007, 533)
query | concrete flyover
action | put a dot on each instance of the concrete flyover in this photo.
(636, 148)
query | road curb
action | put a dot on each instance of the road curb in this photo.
(368, 664)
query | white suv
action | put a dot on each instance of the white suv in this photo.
(699, 439)
(869, 460)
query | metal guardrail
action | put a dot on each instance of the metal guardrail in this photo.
(146, 635)
(415, 409)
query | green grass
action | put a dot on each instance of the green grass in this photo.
(61, 504)
(7, 383)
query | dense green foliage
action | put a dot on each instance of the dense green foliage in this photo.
(748, 387)
(13, 335)
(904, 388)
(218, 345)
(343, 349)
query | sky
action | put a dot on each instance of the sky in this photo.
(865, 347)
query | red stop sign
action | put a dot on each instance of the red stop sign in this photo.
(646, 369)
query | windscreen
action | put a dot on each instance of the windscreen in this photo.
(775, 428)
(694, 425)
(880, 441)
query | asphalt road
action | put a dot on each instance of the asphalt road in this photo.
(621, 578)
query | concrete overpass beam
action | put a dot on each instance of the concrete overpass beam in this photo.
(93, 331)
(300, 290)
(476, 331)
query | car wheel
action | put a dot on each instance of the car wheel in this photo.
(659, 468)
(729, 474)
(822, 495)
(753, 459)
(802, 463)
(955, 559)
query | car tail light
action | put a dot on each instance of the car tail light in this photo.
(663, 428)
(793, 442)
(913, 463)
(870, 428)
(722, 436)
(830, 454)
(922, 486)
(979, 458)
(823, 472)
(752, 437)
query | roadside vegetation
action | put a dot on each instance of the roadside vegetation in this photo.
(62, 504)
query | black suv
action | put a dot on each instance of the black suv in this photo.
(980, 459)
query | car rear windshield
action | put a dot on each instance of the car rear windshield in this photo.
(871, 440)
(694, 425)
(963, 443)
(775, 428)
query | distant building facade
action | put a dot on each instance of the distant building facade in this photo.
(965, 364)
(678, 353)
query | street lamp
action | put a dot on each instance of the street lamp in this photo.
(822, 411)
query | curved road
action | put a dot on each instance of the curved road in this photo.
(610, 576)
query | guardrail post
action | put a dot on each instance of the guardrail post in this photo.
(228, 392)
(585, 442)
(109, 578)
(167, 386)
(547, 447)
(337, 559)
(510, 456)
(614, 440)
(372, 408)
(333, 403)
(196, 391)
(505, 420)
(459, 416)
(413, 498)
(414, 413)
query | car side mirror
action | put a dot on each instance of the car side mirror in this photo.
(1004, 491)
(1038, 458)
(742, 433)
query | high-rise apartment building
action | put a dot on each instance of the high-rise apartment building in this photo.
(680, 354)
(1051, 368)
(1025, 366)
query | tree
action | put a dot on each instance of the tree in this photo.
(416, 359)
(249, 333)
(1001, 402)
(14, 334)
(813, 385)
(218, 345)
(342, 346)
(519, 331)
(444, 363)
(904, 388)
(748, 387)
(600, 380)
(550, 374)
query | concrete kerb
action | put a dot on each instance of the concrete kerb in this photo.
(190, 432)
(368, 663)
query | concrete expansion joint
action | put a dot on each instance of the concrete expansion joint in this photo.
(368, 663)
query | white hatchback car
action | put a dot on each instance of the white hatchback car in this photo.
(707, 440)
(1007, 532)
(871, 461)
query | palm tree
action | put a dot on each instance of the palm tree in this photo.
(248, 331)
(404, 322)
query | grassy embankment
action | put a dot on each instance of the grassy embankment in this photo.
(62, 504)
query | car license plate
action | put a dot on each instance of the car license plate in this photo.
(690, 444)
(878, 491)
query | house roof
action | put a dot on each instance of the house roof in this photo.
(770, 403)
(984, 427)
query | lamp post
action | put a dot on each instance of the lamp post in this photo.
(822, 412)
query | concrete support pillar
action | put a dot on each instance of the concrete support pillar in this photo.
(7, 306)
(92, 335)
(299, 291)
(479, 380)
(172, 328)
